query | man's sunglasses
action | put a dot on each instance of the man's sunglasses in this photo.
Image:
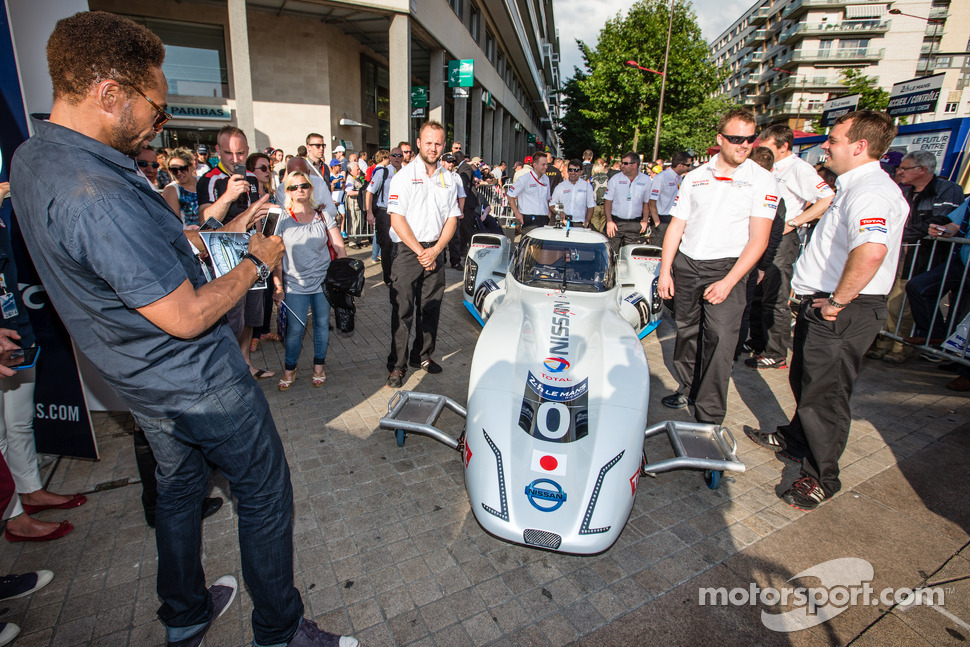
(144, 164)
(397, 154)
(161, 117)
(574, 170)
(739, 139)
(177, 169)
(317, 145)
(297, 187)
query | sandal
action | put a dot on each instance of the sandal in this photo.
(253, 345)
(260, 374)
(318, 380)
(270, 336)
(284, 384)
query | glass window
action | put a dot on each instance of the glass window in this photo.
(489, 46)
(474, 23)
(951, 107)
(564, 264)
(456, 6)
(195, 57)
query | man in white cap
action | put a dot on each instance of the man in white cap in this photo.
(339, 159)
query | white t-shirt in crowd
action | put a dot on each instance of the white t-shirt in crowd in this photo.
(868, 208)
(718, 209)
(664, 189)
(799, 184)
(531, 192)
(384, 186)
(425, 202)
(576, 198)
(627, 196)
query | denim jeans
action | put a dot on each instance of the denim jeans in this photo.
(924, 290)
(230, 427)
(375, 251)
(300, 304)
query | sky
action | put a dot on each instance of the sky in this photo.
(583, 19)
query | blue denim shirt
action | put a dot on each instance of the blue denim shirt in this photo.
(104, 244)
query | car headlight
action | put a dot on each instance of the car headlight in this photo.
(656, 303)
(471, 273)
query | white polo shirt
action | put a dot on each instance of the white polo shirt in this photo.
(868, 208)
(576, 198)
(799, 184)
(718, 209)
(664, 190)
(531, 192)
(628, 196)
(425, 202)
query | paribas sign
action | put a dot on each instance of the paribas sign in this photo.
(200, 113)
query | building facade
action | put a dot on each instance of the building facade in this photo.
(785, 57)
(280, 69)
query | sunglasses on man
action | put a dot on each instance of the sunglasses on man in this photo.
(739, 139)
(144, 164)
(161, 117)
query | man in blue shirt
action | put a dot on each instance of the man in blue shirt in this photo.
(126, 282)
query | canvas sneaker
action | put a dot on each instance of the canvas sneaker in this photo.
(676, 401)
(8, 631)
(805, 494)
(17, 586)
(310, 635)
(774, 442)
(396, 379)
(428, 365)
(223, 592)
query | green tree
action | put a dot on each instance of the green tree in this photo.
(872, 97)
(622, 100)
(575, 128)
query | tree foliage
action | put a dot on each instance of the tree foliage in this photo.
(872, 97)
(620, 100)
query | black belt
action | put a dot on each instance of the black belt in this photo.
(424, 245)
(865, 298)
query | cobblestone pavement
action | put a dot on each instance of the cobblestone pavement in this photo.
(386, 545)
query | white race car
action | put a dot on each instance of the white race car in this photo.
(558, 391)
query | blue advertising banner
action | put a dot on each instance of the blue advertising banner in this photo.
(62, 424)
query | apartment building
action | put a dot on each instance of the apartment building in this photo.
(279, 69)
(785, 57)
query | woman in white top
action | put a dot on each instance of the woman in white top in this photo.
(309, 234)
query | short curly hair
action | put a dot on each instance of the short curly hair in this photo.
(92, 46)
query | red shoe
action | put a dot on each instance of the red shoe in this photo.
(76, 501)
(57, 533)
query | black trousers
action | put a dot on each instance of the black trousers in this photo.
(627, 233)
(706, 334)
(659, 231)
(415, 298)
(382, 226)
(455, 246)
(826, 357)
(775, 320)
(530, 221)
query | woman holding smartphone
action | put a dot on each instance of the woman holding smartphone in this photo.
(311, 237)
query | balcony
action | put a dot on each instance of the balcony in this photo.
(846, 27)
(801, 6)
(752, 79)
(759, 16)
(939, 13)
(830, 56)
(795, 109)
(800, 84)
(753, 59)
(757, 36)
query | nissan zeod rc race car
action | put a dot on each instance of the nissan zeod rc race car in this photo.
(558, 392)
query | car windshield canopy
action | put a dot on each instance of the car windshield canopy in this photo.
(564, 264)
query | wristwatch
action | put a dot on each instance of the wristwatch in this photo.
(262, 269)
(836, 304)
(791, 223)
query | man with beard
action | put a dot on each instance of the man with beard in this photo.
(423, 207)
(127, 285)
(719, 229)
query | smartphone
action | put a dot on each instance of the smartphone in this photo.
(272, 221)
(239, 169)
(20, 359)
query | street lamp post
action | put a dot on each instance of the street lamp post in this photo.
(663, 82)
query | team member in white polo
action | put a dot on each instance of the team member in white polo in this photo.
(423, 206)
(625, 205)
(800, 185)
(575, 195)
(842, 279)
(721, 221)
(529, 195)
(663, 192)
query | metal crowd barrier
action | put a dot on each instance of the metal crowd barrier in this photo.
(950, 306)
(495, 196)
(355, 222)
